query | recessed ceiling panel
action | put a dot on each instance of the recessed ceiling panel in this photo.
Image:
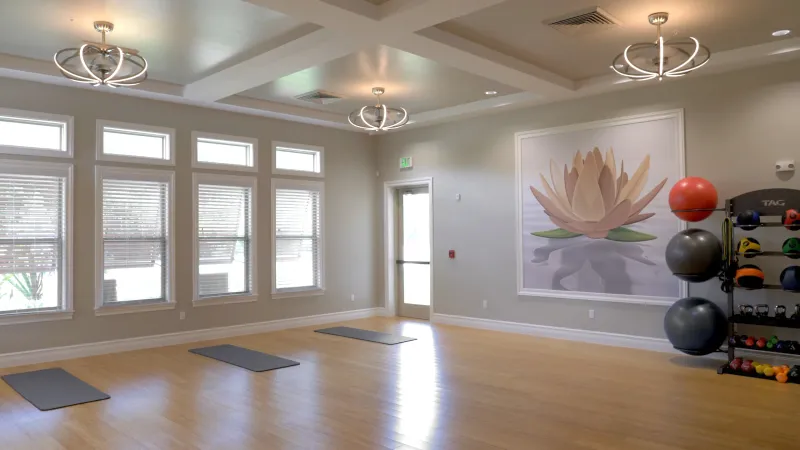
(181, 39)
(412, 82)
(516, 27)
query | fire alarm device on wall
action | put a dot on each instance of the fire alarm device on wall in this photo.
(452, 254)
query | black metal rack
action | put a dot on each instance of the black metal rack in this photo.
(769, 203)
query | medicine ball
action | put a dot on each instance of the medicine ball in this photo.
(790, 279)
(749, 247)
(694, 255)
(750, 276)
(791, 248)
(748, 220)
(692, 193)
(791, 219)
(696, 326)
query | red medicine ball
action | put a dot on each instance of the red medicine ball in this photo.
(693, 193)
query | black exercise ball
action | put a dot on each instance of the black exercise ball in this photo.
(790, 279)
(696, 326)
(694, 255)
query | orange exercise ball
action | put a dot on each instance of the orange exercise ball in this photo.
(693, 193)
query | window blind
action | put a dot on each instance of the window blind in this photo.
(297, 239)
(32, 229)
(135, 237)
(224, 232)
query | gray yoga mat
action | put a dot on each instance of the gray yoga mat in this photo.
(244, 358)
(366, 335)
(53, 388)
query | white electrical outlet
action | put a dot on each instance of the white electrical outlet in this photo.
(591, 314)
(485, 304)
(784, 166)
(352, 297)
(183, 315)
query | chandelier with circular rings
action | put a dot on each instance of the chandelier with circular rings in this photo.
(102, 64)
(659, 59)
(378, 117)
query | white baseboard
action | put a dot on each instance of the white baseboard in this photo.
(183, 337)
(570, 334)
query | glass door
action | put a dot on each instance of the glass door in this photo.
(414, 253)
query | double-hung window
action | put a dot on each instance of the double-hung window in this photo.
(33, 133)
(35, 210)
(135, 244)
(297, 238)
(225, 241)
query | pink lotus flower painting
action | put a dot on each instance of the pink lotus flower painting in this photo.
(593, 198)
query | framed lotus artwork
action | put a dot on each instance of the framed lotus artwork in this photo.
(592, 214)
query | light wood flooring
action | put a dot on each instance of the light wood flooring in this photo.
(453, 388)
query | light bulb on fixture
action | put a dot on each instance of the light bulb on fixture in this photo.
(378, 117)
(781, 33)
(491, 92)
(101, 63)
(662, 58)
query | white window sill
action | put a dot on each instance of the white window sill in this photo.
(224, 300)
(294, 294)
(109, 310)
(223, 166)
(34, 316)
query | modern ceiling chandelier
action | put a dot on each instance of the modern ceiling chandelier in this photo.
(102, 64)
(378, 117)
(659, 59)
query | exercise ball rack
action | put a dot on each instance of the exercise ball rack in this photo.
(769, 203)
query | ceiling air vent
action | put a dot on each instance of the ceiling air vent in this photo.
(583, 22)
(319, 97)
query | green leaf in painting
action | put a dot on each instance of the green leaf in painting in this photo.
(558, 233)
(623, 234)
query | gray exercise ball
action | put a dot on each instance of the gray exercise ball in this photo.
(696, 326)
(694, 255)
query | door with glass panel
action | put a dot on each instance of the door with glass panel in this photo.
(414, 253)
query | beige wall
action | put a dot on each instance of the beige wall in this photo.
(352, 227)
(737, 126)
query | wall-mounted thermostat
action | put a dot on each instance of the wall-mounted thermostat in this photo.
(785, 166)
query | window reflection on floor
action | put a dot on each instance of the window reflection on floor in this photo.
(417, 383)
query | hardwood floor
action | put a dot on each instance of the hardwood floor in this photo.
(453, 388)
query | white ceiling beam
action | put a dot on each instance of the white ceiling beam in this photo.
(315, 48)
(40, 71)
(351, 25)
(463, 54)
(417, 15)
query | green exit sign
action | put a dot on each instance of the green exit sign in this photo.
(406, 163)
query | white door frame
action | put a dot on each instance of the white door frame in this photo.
(389, 244)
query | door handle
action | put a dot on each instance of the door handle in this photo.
(400, 261)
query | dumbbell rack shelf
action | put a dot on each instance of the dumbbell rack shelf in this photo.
(774, 322)
(763, 201)
(725, 369)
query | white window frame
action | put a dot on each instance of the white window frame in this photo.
(101, 173)
(134, 127)
(67, 133)
(65, 311)
(298, 173)
(224, 180)
(283, 183)
(224, 137)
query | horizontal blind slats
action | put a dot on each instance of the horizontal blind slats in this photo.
(297, 243)
(224, 230)
(32, 222)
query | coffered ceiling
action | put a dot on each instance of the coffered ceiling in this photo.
(437, 58)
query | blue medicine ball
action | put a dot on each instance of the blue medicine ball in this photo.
(748, 220)
(790, 278)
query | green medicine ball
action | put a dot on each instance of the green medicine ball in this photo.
(791, 248)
